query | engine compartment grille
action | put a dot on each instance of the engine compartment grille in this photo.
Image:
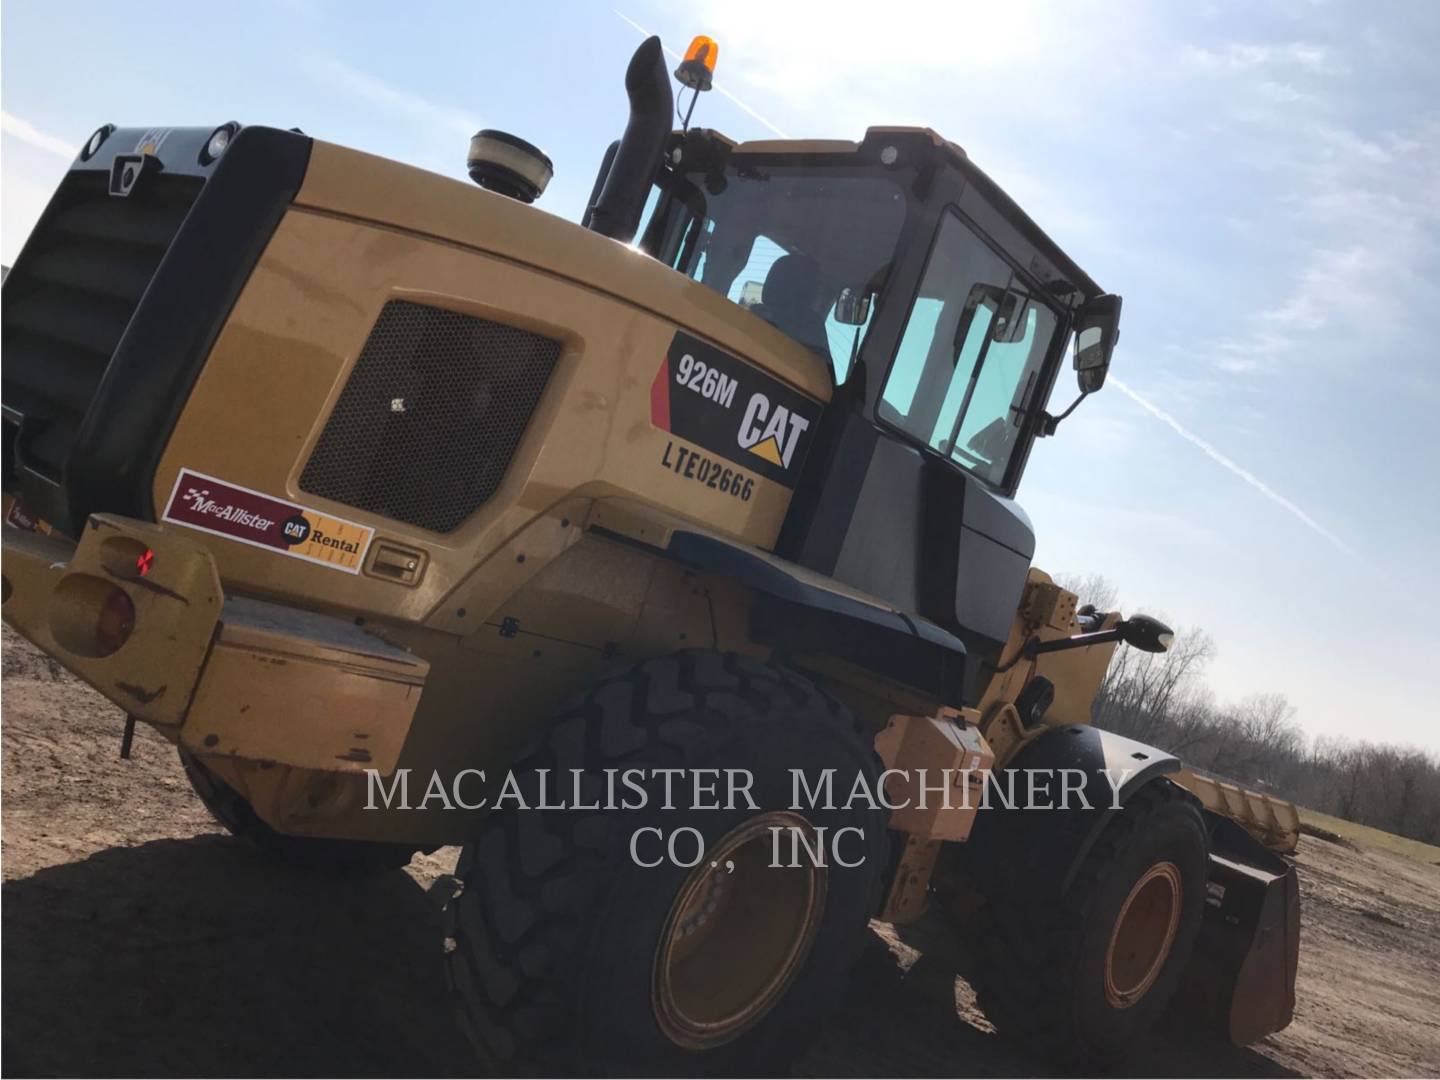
(69, 300)
(431, 416)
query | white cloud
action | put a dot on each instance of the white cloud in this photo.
(1282, 93)
(1349, 239)
(28, 133)
(1347, 284)
(1345, 145)
(1243, 56)
(1239, 355)
(805, 57)
(25, 199)
(335, 74)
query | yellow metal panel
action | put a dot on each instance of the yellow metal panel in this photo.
(54, 592)
(930, 753)
(301, 322)
(344, 181)
(1047, 612)
(289, 687)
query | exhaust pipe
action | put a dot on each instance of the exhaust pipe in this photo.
(616, 212)
(601, 173)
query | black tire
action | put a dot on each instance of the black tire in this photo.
(230, 809)
(1041, 975)
(554, 929)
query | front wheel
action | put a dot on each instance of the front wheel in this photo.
(568, 955)
(1080, 978)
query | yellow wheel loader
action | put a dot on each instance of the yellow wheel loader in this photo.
(668, 562)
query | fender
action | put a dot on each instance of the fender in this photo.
(797, 611)
(1036, 853)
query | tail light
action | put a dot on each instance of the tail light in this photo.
(90, 617)
(116, 621)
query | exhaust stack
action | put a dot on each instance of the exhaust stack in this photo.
(616, 211)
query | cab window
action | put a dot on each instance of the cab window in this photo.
(844, 340)
(840, 341)
(785, 242)
(969, 359)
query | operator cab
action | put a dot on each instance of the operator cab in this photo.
(809, 237)
(943, 313)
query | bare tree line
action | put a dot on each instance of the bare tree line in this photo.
(1163, 699)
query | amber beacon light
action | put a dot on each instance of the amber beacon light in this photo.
(697, 70)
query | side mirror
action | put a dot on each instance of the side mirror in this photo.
(1097, 329)
(991, 297)
(852, 308)
(1146, 634)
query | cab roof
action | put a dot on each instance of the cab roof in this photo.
(950, 155)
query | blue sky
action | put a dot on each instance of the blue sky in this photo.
(1260, 182)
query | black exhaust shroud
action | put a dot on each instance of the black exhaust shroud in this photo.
(115, 301)
(616, 212)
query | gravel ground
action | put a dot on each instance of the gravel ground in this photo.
(139, 939)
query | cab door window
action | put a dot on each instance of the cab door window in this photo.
(970, 356)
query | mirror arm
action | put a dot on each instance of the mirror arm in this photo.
(1034, 647)
(1049, 423)
(1079, 641)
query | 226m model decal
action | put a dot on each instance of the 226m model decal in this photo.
(724, 405)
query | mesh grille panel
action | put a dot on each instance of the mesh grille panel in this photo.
(425, 428)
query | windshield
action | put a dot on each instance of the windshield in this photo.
(784, 242)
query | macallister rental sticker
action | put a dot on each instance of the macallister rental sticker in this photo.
(736, 411)
(251, 517)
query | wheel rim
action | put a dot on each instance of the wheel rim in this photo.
(1143, 935)
(734, 941)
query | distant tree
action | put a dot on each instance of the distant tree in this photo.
(1094, 589)
(1163, 699)
(1145, 694)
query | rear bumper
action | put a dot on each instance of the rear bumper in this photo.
(234, 678)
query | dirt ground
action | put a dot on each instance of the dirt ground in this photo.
(138, 939)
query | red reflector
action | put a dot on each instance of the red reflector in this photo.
(144, 561)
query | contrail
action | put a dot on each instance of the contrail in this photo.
(28, 132)
(714, 86)
(1226, 463)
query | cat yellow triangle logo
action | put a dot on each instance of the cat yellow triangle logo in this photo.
(769, 450)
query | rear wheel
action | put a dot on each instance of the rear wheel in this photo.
(230, 809)
(1080, 978)
(567, 956)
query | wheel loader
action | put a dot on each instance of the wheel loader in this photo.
(384, 496)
